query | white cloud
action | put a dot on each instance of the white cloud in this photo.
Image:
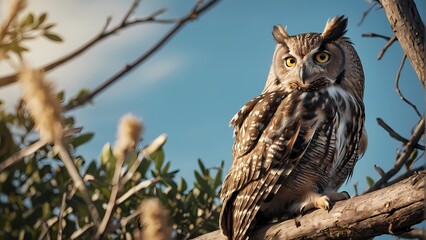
(77, 22)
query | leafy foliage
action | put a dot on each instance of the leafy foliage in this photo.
(28, 28)
(31, 191)
(38, 198)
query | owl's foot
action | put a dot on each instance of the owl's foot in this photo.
(318, 201)
(337, 196)
(312, 201)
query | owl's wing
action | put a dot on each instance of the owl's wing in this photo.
(353, 146)
(266, 130)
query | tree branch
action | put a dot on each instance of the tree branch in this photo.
(391, 210)
(396, 135)
(102, 35)
(387, 45)
(409, 148)
(408, 27)
(398, 75)
(198, 9)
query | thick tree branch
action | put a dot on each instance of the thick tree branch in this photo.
(409, 29)
(391, 210)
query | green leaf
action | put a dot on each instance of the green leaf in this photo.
(69, 121)
(49, 26)
(108, 160)
(29, 20)
(143, 167)
(204, 185)
(182, 186)
(203, 169)
(82, 139)
(82, 94)
(370, 181)
(60, 96)
(52, 36)
(218, 179)
(42, 18)
(158, 158)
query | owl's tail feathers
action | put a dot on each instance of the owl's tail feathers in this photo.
(226, 218)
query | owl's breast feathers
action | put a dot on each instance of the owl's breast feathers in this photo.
(273, 132)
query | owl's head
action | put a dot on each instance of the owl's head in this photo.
(310, 61)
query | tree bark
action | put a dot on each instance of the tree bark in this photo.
(409, 29)
(391, 210)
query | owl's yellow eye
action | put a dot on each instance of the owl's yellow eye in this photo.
(322, 57)
(290, 61)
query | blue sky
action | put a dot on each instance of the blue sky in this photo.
(194, 85)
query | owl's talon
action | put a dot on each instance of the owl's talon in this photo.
(348, 196)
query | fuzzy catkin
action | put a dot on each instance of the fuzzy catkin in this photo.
(43, 104)
(129, 131)
(154, 220)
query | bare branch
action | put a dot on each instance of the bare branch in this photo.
(395, 135)
(136, 189)
(418, 234)
(365, 14)
(61, 216)
(130, 11)
(154, 146)
(389, 210)
(398, 74)
(387, 45)
(102, 35)
(408, 27)
(402, 159)
(112, 198)
(15, 8)
(78, 181)
(192, 14)
(375, 35)
(78, 233)
(17, 157)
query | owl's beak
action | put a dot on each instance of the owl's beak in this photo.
(302, 74)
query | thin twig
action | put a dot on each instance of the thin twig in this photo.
(154, 146)
(409, 147)
(45, 231)
(365, 14)
(18, 156)
(15, 8)
(418, 234)
(193, 14)
(375, 35)
(78, 181)
(103, 34)
(113, 196)
(379, 170)
(78, 233)
(61, 216)
(130, 11)
(387, 45)
(136, 189)
(124, 221)
(404, 175)
(398, 90)
(395, 135)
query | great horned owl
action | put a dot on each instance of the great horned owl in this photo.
(297, 142)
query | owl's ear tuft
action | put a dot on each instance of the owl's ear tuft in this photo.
(280, 34)
(335, 29)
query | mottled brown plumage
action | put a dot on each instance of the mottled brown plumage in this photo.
(298, 141)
